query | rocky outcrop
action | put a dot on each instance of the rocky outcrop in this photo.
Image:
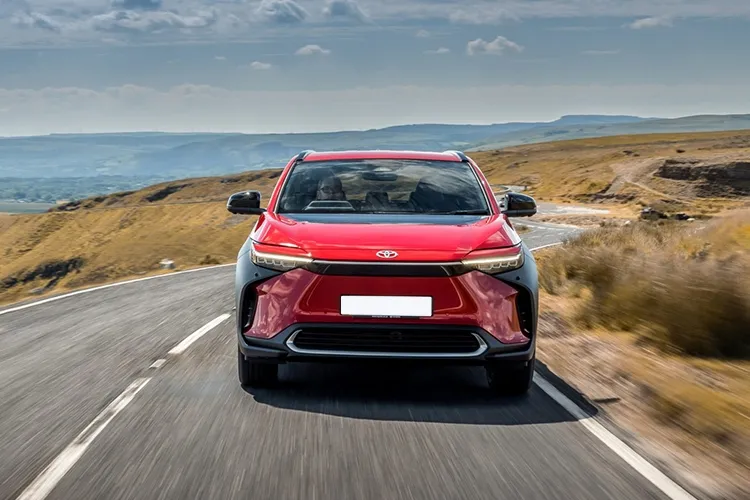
(53, 271)
(713, 178)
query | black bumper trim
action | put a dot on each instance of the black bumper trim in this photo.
(275, 350)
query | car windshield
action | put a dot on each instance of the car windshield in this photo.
(383, 186)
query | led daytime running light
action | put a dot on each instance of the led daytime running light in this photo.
(278, 262)
(497, 263)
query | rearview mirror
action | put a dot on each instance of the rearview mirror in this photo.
(519, 205)
(246, 202)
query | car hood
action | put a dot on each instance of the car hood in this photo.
(420, 238)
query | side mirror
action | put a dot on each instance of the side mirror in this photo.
(519, 205)
(246, 202)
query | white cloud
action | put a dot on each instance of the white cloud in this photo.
(282, 11)
(311, 50)
(36, 20)
(495, 47)
(51, 22)
(220, 58)
(344, 10)
(650, 22)
(150, 21)
(495, 11)
(440, 51)
(257, 65)
(201, 107)
(422, 34)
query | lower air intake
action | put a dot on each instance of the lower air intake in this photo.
(373, 341)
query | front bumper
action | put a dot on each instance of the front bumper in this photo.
(281, 348)
(480, 304)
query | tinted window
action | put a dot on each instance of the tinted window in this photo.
(383, 186)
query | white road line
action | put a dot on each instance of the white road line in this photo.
(549, 225)
(118, 283)
(158, 363)
(190, 339)
(55, 471)
(640, 464)
(546, 246)
(48, 479)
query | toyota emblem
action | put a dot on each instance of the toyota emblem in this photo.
(387, 254)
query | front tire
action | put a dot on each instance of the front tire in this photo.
(254, 374)
(510, 380)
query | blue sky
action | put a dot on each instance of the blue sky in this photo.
(315, 65)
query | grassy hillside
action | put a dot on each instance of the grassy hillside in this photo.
(120, 235)
(110, 237)
(621, 170)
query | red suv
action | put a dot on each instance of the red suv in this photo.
(388, 255)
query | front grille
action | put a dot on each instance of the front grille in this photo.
(387, 340)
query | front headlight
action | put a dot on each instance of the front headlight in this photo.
(277, 261)
(495, 261)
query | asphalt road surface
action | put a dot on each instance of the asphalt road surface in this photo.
(181, 427)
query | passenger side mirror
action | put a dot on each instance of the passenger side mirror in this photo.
(519, 205)
(246, 202)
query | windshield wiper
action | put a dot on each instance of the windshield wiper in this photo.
(468, 212)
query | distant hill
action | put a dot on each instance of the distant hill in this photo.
(89, 164)
(565, 129)
(165, 155)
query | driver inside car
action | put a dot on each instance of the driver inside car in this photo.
(329, 188)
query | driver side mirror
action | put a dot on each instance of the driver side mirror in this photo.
(246, 202)
(519, 205)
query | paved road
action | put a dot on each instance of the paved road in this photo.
(335, 432)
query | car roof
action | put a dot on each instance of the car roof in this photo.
(381, 154)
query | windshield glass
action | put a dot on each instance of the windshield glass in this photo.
(383, 186)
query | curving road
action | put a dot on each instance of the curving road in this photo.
(180, 426)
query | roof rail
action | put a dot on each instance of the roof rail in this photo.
(460, 154)
(303, 154)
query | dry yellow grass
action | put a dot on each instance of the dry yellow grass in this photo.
(118, 243)
(684, 286)
(663, 310)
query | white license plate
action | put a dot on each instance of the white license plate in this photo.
(386, 306)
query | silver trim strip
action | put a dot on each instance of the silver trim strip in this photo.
(320, 352)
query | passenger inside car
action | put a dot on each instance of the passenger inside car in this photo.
(330, 188)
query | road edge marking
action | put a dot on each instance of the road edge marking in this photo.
(109, 285)
(200, 332)
(656, 477)
(46, 481)
(547, 246)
